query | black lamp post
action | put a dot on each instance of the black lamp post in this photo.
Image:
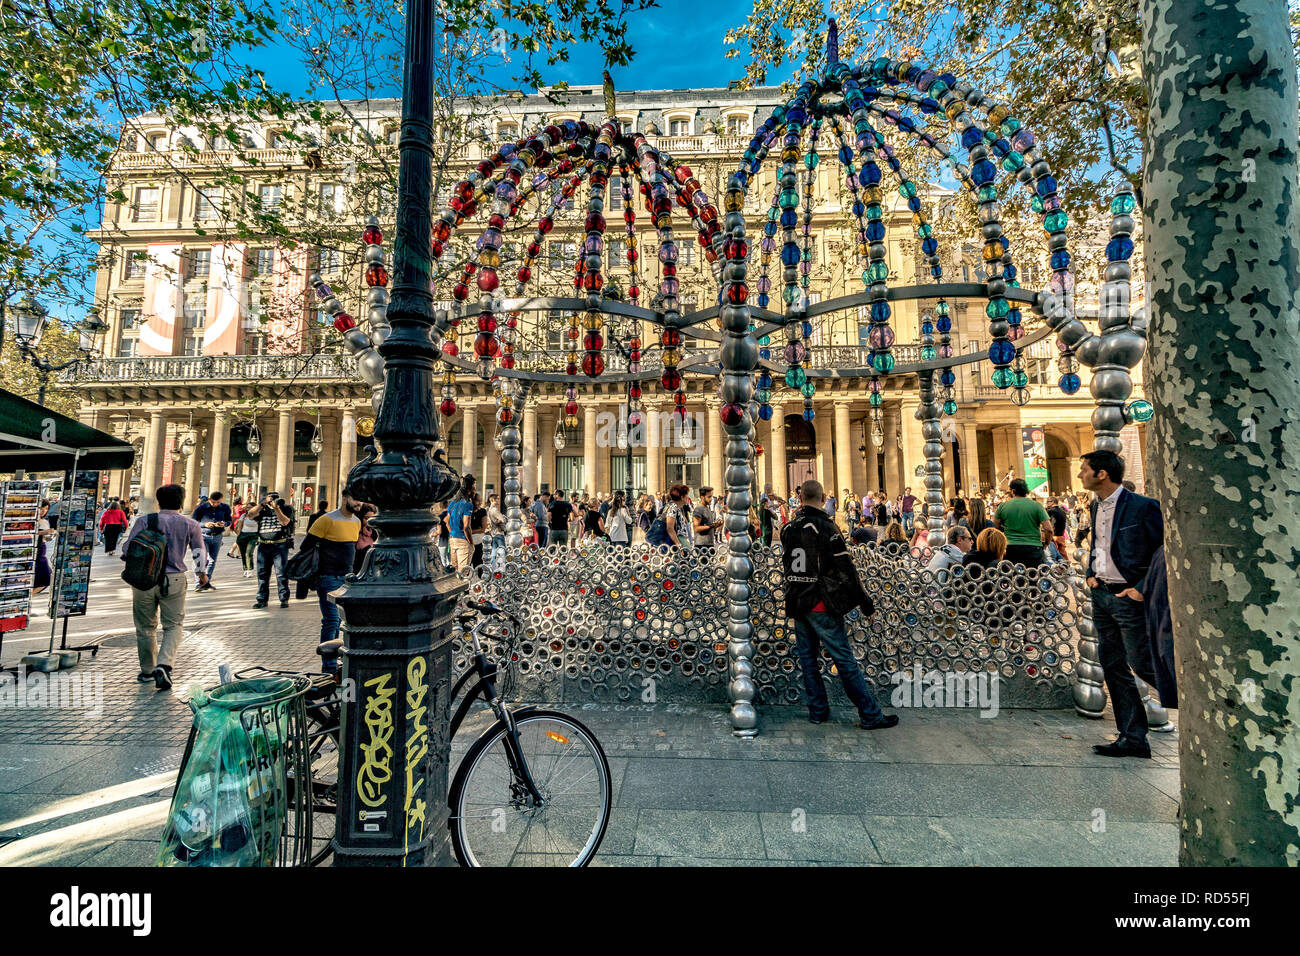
(30, 320)
(392, 808)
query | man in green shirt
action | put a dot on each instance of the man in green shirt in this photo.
(1023, 519)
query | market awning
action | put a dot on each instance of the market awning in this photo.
(34, 438)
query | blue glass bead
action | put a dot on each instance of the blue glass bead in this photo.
(763, 300)
(927, 328)
(765, 412)
(972, 137)
(876, 230)
(808, 414)
(846, 155)
(936, 271)
(947, 377)
(806, 329)
(944, 324)
(1009, 272)
(769, 228)
(1060, 260)
(983, 172)
(1070, 383)
(1013, 317)
(914, 203)
(880, 311)
(1045, 186)
(1001, 352)
(789, 218)
(1118, 249)
(929, 246)
(859, 207)
(950, 408)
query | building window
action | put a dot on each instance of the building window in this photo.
(569, 472)
(386, 205)
(145, 207)
(679, 126)
(737, 125)
(626, 124)
(255, 302)
(557, 325)
(391, 135)
(263, 261)
(615, 203)
(617, 253)
(280, 140)
(130, 319)
(254, 343)
(269, 198)
(200, 263)
(126, 348)
(196, 306)
(331, 199)
(134, 265)
(192, 343)
(208, 203)
(336, 137)
(157, 141)
(686, 252)
(564, 255)
(508, 130)
(329, 261)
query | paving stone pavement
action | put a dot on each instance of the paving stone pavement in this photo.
(89, 786)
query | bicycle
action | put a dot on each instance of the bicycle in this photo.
(533, 789)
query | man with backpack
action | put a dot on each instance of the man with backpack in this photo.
(821, 586)
(154, 559)
(274, 517)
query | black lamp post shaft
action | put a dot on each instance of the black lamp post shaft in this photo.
(392, 808)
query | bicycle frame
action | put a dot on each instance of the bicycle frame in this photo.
(486, 670)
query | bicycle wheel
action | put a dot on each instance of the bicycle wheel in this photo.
(493, 821)
(322, 799)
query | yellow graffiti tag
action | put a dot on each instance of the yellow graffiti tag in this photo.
(376, 769)
(417, 746)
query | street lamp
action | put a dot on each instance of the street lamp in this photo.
(394, 746)
(30, 321)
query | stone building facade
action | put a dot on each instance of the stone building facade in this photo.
(215, 339)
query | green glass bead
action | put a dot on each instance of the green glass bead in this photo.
(765, 340)
(1020, 379)
(1036, 204)
(950, 408)
(941, 308)
(1121, 204)
(924, 231)
(1013, 161)
(874, 211)
(927, 353)
(1056, 221)
(877, 272)
(1002, 377)
(795, 377)
(875, 399)
(790, 292)
(1009, 128)
(762, 395)
(884, 362)
(789, 198)
(997, 308)
(1140, 410)
(907, 189)
(808, 389)
(988, 193)
(811, 160)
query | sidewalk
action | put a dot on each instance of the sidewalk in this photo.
(942, 788)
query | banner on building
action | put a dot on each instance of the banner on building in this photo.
(1033, 442)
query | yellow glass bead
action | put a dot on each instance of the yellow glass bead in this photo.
(671, 356)
(593, 321)
(872, 194)
(734, 201)
(992, 250)
(489, 258)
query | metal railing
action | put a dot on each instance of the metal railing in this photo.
(186, 368)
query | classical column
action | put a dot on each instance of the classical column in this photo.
(654, 476)
(328, 484)
(970, 459)
(893, 454)
(913, 446)
(546, 450)
(347, 444)
(844, 451)
(284, 454)
(219, 451)
(713, 436)
(780, 472)
(487, 473)
(528, 450)
(589, 450)
(192, 463)
(152, 466)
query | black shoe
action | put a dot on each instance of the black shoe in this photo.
(812, 719)
(1122, 747)
(259, 605)
(143, 678)
(880, 723)
(284, 604)
(162, 677)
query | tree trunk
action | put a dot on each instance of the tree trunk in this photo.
(1223, 371)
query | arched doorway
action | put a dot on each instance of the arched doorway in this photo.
(1060, 465)
(800, 450)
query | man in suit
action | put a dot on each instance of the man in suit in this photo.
(1127, 530)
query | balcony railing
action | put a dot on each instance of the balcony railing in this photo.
(186, 368)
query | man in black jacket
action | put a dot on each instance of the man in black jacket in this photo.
(821, 586)
(1127, 530)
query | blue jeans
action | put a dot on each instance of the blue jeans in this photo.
(908, 516)
(811, 633)
(268, 556)
(212, 544)
(541, 532)
(497, 554)
(329, 616)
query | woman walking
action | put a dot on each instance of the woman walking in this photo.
(246, 541)
(618, 523)
(112, 523)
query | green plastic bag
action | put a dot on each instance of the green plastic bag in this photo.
(229, 806)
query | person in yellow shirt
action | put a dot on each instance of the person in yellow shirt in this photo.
(334, 536)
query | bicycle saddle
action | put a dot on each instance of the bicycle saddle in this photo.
(330, 648)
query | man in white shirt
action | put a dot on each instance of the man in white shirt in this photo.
(1127, 531)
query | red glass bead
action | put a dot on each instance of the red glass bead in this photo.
(682, 173)
(634, 390)
(505, 416)
(592, 282)
(524, 274)
(506, 361)
(732, 413)
(679, 399)
(710, 255)
(633, 291)
(593, 341)
(736, 248)
(436, 249)
(545, 225)
(571, 368)
(634, 342)
(497, 221)
(464, 190)
(449, 347)
(534, 249)
(447, 407)
(708, 214)
(485, 168)
(570, 408)
(487, 322)
(486, 345)
(372, 236)
(460, 292)
(376, 275)
(737, 293)
(633, 255)
(670, 379)
(592, 364)
(487, 280)
(595, 222)
(670, 269)
(671, 338)
(343, 322)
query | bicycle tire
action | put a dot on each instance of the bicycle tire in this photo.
(490, 741)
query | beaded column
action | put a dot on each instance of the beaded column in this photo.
(510, 410)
